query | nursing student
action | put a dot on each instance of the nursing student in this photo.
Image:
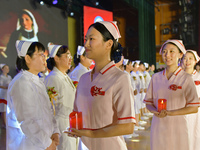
(169, 129)
(104, 95)
(5, 79)
(59, 62)
(189, 61)
(30, 122)
(82, 64)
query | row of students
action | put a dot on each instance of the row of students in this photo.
(102, 96)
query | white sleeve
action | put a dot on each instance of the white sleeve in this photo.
(26, 108)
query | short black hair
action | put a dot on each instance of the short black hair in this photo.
(21, 62)
(51, 62)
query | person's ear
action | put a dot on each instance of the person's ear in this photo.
(109, 44)
(56, 59)
(28, 59)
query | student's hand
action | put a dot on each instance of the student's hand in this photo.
(55, 137)
(161, 114)
(52, 146)
(78, 133)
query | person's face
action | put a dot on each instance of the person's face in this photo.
(152, 67)
(171, 54)
(189, 61)
(26, 22)
(142, 67)
(130, 66)
(5, 69)
(36, 63)
(197, 67)
(64, 61)
(136, 67)
(86, 61)
(95, 47)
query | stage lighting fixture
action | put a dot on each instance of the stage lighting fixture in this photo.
(165, 31)
(71, 13)
(41, 3)
(54, 2)
(97, 3)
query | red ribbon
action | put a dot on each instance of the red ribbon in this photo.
(3, 101)
(197, 82)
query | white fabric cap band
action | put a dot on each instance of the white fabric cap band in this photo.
(137, 61)
(80, 50)
(2, 65)
(22, 47)
(178, 43)
(125, 62)
(112, 28)
(195, 54)
(146, 65)
(53, 49)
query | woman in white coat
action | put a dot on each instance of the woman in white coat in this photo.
(5, 79)
(82, 64)
(30, 122)
(59, 62)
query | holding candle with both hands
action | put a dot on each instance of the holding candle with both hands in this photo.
(162, 104)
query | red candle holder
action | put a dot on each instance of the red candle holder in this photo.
(75, 120)
(162, 104)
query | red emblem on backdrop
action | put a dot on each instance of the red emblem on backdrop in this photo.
(174, 87)
(96, 91)
(197, 82)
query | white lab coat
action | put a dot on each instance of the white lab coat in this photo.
(78, 72)
(4, 81)
(64, 104)
(30, 121)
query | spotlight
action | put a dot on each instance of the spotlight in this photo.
(97, 3)
(41, 3)
(71, 13)
(55, 2)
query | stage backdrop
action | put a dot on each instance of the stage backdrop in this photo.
(49, 26)
(92, 15)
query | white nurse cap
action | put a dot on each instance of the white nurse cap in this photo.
(125, 62)
(195, 54)
(53, 49)
(22, 47)
(133, 63)
(146, 65)
(2, 65)
(178, 43)
(137, 61)
(112, 28)
(80, 50)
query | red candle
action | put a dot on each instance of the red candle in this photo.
(162, 104)
(75, 120)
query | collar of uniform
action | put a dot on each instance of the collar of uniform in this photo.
(30, 75)
(107, 67)
(175, 73)
(59, 72)
(194, 72)
(83, 67)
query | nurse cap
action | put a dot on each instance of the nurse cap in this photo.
(53, 49)
(111, 26)
(137, 61)
(2, 65)
(195, 54)
(178, 43)
(125, 62)
(80, 50)
(133, 63)
(146, 65)
(22, 47)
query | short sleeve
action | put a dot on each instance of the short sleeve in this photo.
(149, 95)
(124, 100)
(191, 93)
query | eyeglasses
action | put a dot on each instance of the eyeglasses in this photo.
(41, 54)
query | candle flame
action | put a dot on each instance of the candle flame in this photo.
(162, 102)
